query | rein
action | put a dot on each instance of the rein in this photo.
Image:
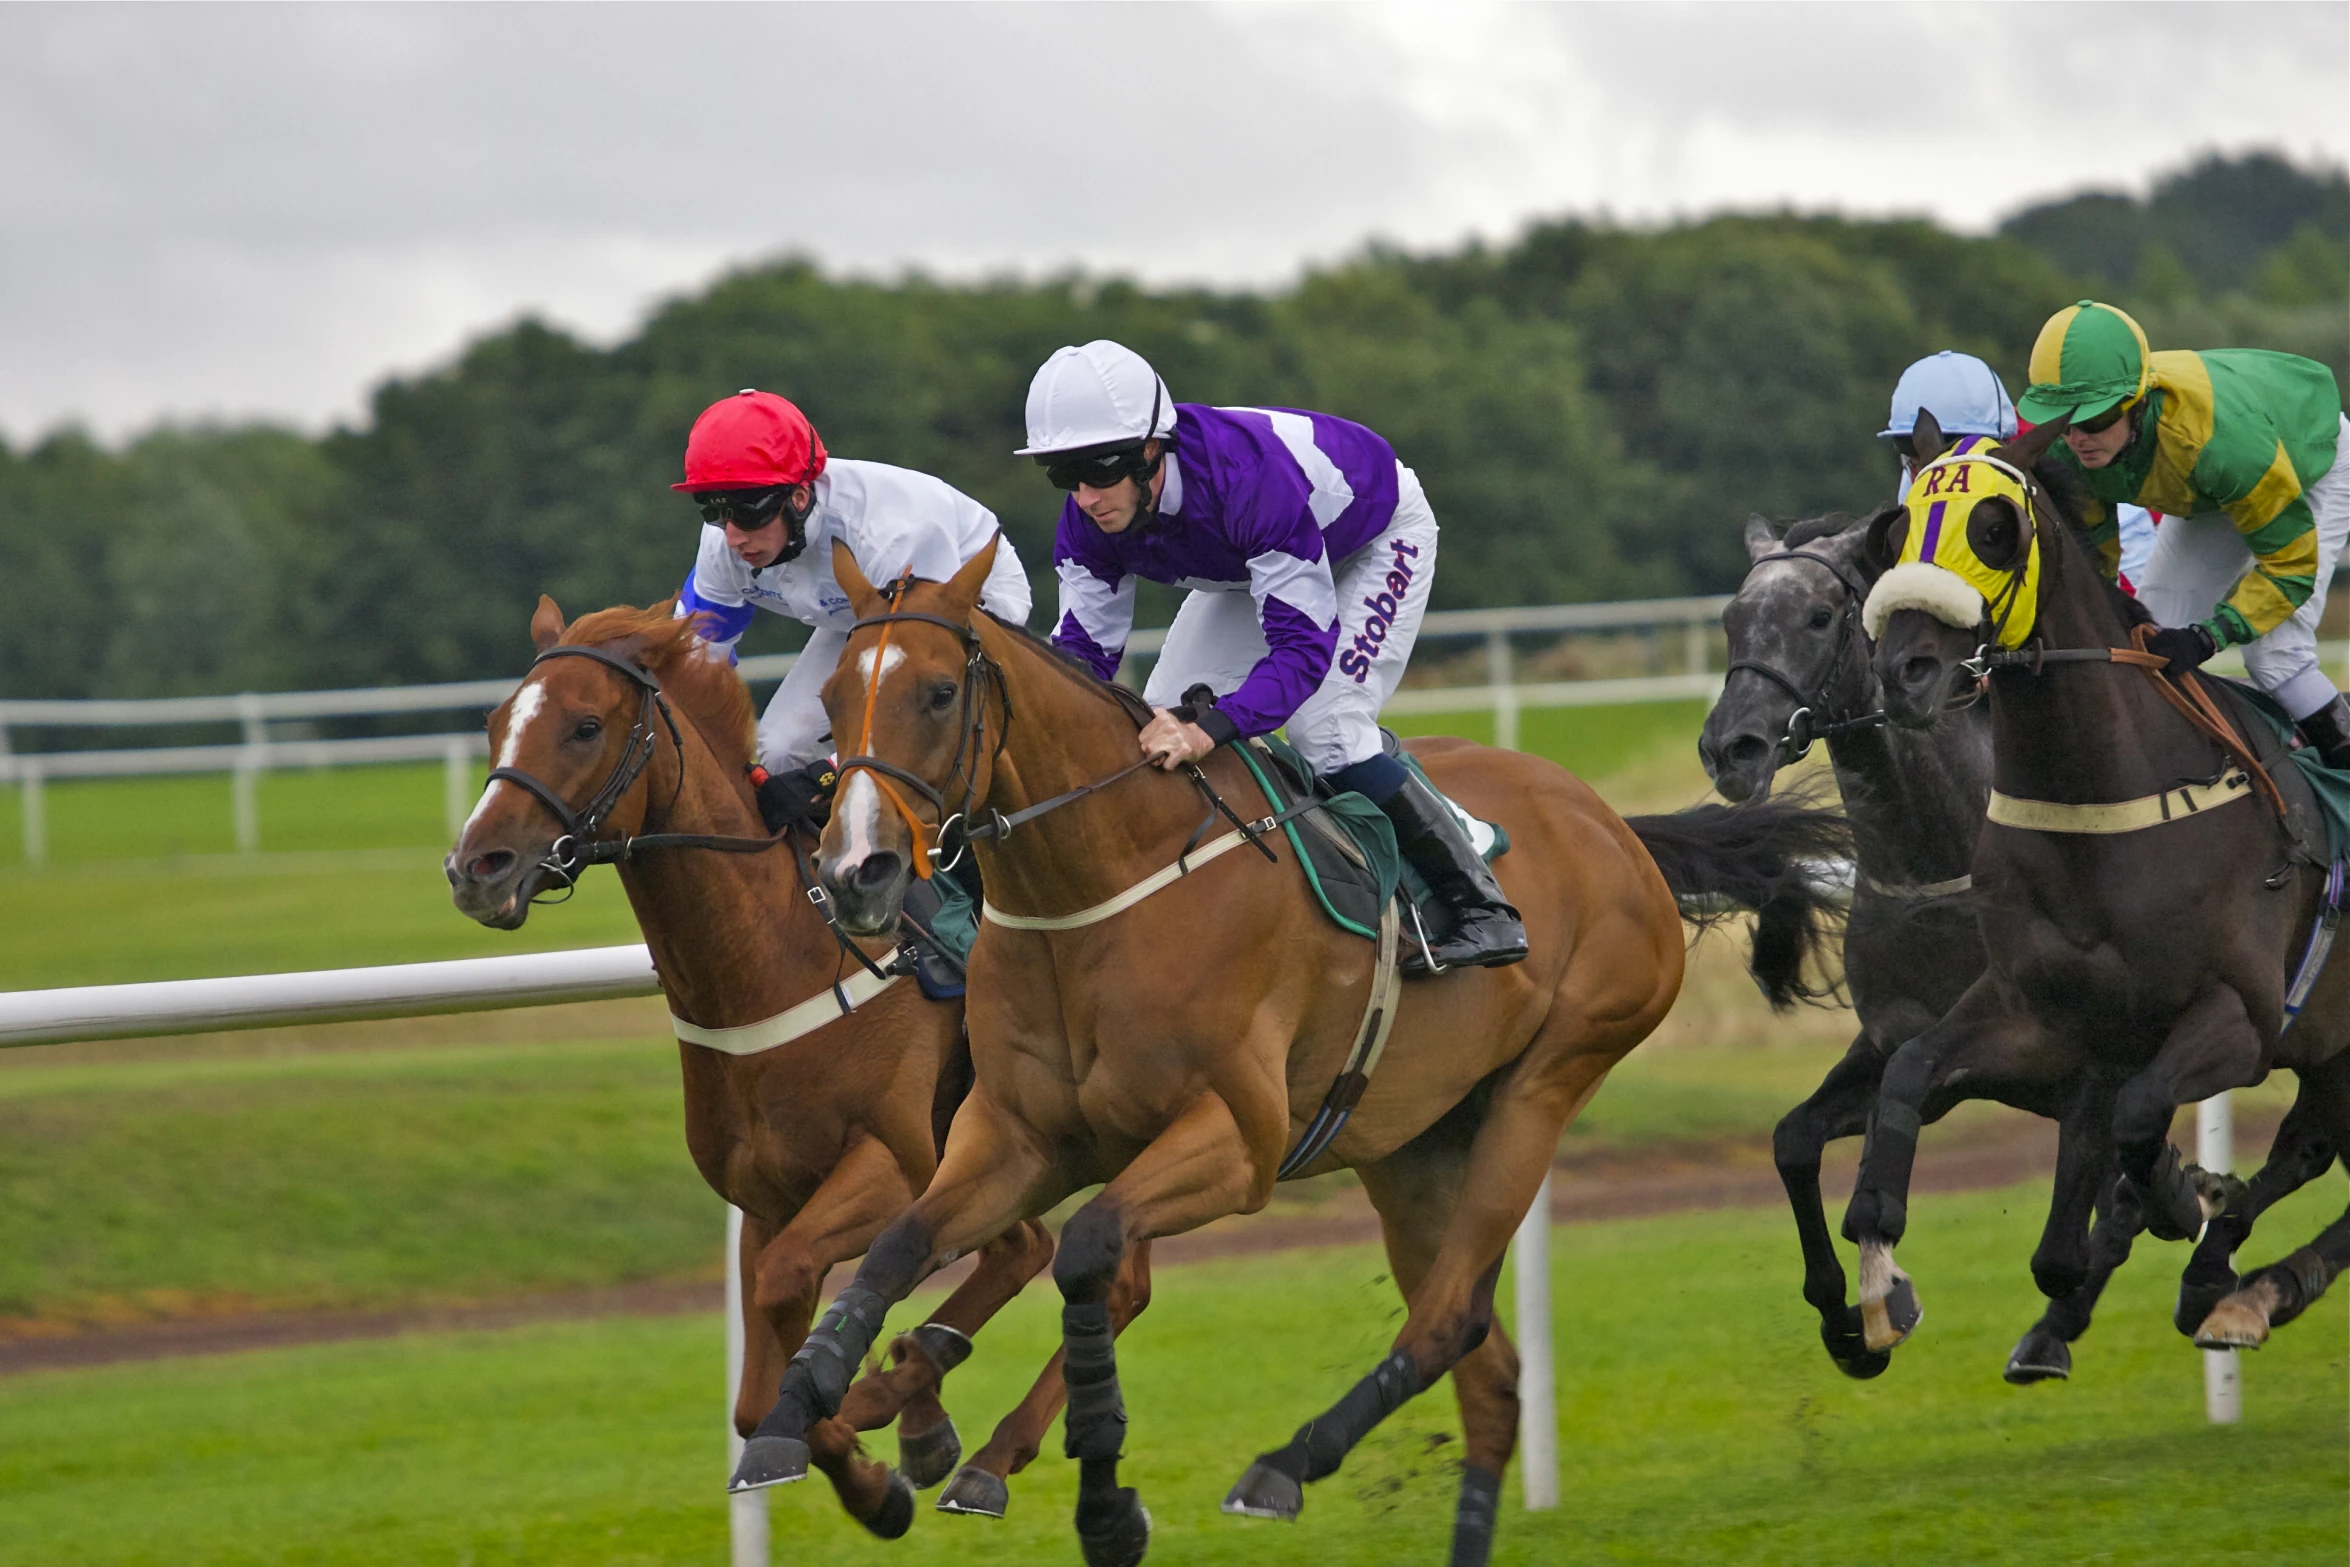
(1802, 729)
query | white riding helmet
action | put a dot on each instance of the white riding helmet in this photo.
(1964, 394)
(1099, 395)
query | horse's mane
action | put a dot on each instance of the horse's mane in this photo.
(1070, 664)
(708, 692)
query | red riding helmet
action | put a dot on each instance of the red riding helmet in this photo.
(751, 441)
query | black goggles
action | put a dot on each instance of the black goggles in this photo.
(749, 510)
(2104, 421)
(1095, 470)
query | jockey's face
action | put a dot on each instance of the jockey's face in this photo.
(758, 548)
(2098, 448)
(1114, 509)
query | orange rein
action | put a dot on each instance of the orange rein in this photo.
(914, 824)
(2195, 703)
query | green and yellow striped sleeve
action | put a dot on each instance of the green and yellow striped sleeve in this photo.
(2273, 515)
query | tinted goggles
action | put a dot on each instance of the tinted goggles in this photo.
(2104, 421)
(749, 510)
(1095, 470)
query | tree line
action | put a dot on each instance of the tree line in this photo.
(1593, 409)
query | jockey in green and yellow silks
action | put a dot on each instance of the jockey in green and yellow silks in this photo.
(2242, 452)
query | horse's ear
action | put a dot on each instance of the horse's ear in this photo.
(1760, 540)
(963, 589)
(2026, 450)
(1886, 531)
(546, 624)
(863, 600)
(1926, 438)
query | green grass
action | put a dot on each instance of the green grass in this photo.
(1699, 1425)
(1591, 742)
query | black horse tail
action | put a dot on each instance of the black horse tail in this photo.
(1775, 858)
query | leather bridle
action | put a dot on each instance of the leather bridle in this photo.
(1804, 726)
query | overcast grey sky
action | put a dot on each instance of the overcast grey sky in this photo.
(225, 211)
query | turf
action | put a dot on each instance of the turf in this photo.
(1698, 1420)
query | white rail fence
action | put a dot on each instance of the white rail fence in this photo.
(260, 751)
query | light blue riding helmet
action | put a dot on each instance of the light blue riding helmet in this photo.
(1964, 394)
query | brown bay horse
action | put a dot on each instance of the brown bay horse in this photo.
(1175, 1048)
(623, 729)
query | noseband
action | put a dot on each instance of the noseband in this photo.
(1803, 727)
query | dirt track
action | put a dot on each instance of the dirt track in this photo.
(1587, 1187)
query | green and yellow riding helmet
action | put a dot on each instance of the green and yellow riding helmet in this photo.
(2088, 360)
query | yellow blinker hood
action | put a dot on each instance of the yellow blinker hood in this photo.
(1942, 499)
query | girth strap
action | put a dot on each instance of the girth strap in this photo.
(2152, 810)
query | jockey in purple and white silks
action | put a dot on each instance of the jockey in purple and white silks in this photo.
(1309, 551)
(773, 502)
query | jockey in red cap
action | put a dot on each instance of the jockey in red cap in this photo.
(772, 503)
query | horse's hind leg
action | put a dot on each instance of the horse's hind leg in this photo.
(2273, 1296)
(907, 1390)
(2300, 1154)
(2043, 1353)
(1414, 1190)
(980, 1489)
(1839, 1107)
(2213, 1046)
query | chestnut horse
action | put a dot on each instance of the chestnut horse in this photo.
(1176, 1046)
(821, 1140)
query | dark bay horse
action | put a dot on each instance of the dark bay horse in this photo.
(1800, 672)
(1152, 1012)
(2142, 905)
(625, 729)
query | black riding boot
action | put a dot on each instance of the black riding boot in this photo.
(1485, 929)
(2329, 730)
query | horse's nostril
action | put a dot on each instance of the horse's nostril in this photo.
(875, 872)
(1746, 748)
(1918, 674)
(488, 866)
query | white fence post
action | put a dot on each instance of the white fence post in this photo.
(456, 782)
(2215, 1150)
(244, 793)
(1505, 689)
(746, 1512)
(1538, 1420)
(34, 802)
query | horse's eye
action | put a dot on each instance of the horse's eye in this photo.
(1820, 619)
(588, 729)
(942, 696)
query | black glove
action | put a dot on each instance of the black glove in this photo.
(803, 794)
(2185, 646)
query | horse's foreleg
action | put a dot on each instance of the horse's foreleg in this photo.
(907, 1390)
(1203, 1166)
(980, 1489)
(2043, 1353)
(1978, 1038)
(991, 1177)
(1839, 1107)
(2300, 1154)
(2070, 1265)
(785, 1275)
(2272, 1296)
(2212, 1047)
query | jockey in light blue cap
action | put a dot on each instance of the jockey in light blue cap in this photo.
(1965, 396)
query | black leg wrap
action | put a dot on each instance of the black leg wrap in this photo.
(2308, 1276)
(819, 1375)
(947, 1347)
(1321, 1444)
(1472, 1519)
(1095, 1428)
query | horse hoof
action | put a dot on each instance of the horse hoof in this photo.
(1861, 1365)
(1265, 1492)
(2238, 1322)
(896, 1513)
(770, 1460)
(2040, 1356)
(1886, 1323)
(927, 1457)
(1114, 1533)
(976, 1493)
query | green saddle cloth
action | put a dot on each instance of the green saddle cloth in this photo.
(2330, 787)
(1351, 893)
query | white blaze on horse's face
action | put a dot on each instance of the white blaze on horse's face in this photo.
(860, 817)
(891, 658)
(527, 704)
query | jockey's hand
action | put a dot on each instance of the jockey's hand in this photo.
(799, 795)
(2185, 646)
(1170, 742)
